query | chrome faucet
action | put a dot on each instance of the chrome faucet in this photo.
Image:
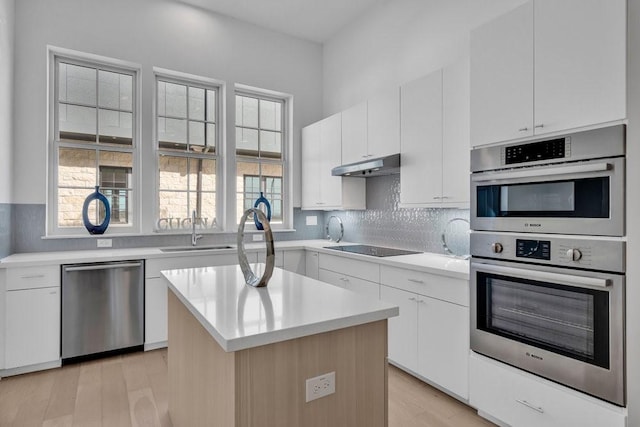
(194, 236)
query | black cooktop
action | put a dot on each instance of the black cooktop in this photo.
(371, 250)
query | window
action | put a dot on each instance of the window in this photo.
(260, 153)
(186, 118)
(94, 134)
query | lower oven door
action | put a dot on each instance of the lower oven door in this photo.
(562, 324)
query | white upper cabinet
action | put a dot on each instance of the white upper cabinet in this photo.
(502, 78)
(421, 145)
(435, 139)
(354, 134)
(548, 66)
(383, 123)
(580, 63)
(321, 152)
(455, 133)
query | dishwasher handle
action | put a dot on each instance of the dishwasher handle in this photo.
(102, 266)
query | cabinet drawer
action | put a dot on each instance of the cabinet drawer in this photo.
(359, 286)
(351, 267)
(33, 277)
(522, 399)
(431, 285)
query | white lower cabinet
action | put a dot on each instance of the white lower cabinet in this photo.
(430, 337)
(31, 317)
(311, 261)
(403, 329)
(520, 399)
(294, 261)
(32, 327)
(355, 284)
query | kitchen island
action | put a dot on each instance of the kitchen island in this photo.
(241, 356)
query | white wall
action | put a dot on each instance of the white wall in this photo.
(399, 41)
(7, 8)
(160, 33)
(633, 207)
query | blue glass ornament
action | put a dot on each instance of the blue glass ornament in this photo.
(263, 200)
(101, 228)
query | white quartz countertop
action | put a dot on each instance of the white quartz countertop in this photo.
(426, 262)
(239, 316)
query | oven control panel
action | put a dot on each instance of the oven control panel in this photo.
(575, 251)
(535, 249)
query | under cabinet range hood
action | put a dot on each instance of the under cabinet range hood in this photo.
(387, 165)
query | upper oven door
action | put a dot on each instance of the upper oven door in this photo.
(549, 199)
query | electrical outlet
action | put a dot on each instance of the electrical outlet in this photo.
(104, 243)
(257, 237)
(321, 386)
(311, 220)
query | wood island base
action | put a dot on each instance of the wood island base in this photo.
(265, 386)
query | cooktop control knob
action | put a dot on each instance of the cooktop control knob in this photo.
(496, 248)
(574, 254)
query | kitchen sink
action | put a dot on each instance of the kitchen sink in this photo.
(196, 248)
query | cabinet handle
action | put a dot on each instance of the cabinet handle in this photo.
(344, 279)
(320, 203)
(412, 299)
(53, 293)
(416, 280)
(529, 405)
(523, 129)
(445, 197)
(421, 301)
(539, 126)
(35, 276)
(437, 197)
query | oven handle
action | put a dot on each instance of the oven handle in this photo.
(550, 171)
(562, 279)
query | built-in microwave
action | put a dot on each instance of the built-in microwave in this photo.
(572, 184)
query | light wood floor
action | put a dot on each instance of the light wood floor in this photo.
(131, 390)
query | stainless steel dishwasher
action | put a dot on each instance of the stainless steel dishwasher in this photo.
(102, 309)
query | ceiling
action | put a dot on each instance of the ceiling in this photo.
(315, 20)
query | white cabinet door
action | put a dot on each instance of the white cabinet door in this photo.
(580, 63)
(403, 329)
(311, 264)
(502, 77)
(455, 133)
(294, 261)
(383, 123)
(32, 327)
(311, 167)
(443, 344)
(354, 134)
(330, 157)
(155, 310)
(421, 144)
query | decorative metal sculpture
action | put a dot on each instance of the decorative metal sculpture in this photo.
(249, 277)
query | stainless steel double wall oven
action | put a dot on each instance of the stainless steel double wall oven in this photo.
(548, 258)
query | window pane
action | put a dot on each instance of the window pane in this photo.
(207, 213)
(173, 209)
(115, 90)
(202, 175)
(173, 173)
(196, 136)
(211, 105)
(270, 115)
(70, 202)
(77, 84)
(211, 137)
(77, 123)
(196, 103)
(172, 100)
(172, 133)
(77, 168)
(246, 142)
(243, 169)
(246, 111)
(115, 127)
(270, 144)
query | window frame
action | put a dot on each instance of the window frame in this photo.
(55, 55)
(190, 80)
(286, 160)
